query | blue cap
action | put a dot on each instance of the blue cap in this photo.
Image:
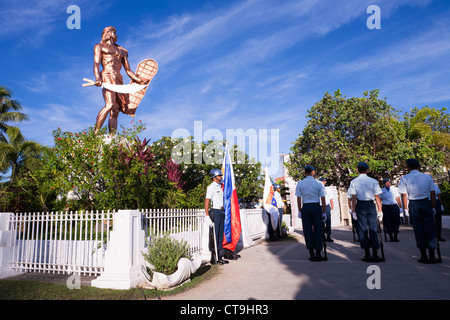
(309, 168)
(412, 163)
(362, 164)
(276, 186)
(386, 180)
(322, 179)
(215, 173)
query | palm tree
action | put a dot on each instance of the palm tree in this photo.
(8, 112)
(18, 154)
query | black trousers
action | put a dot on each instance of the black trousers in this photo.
(391, 218)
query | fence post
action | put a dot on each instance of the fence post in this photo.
(123, 258)
(7, 239)
(245, 236)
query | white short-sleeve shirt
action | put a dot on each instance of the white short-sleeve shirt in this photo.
(310, 189)
(364, 187)
(214, 192)
(416, 185)
(389, 196)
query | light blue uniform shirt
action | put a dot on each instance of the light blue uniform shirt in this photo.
(416, 185)
(389, 197)
(310, 189)
(365, 188)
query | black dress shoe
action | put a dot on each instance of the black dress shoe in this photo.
(376, 259)
(366, 258)
(221, 261)
(319, 258)
(440, 239)
(423, 260)
(432, 260)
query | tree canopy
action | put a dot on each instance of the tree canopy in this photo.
(342, 131)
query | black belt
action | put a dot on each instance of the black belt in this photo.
(419, 199)
(364, 200)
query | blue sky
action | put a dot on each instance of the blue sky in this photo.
(257, 65)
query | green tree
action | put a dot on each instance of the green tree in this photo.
(429, 128)
(342, 131)
(9, 112)
(100, 170)
(196, 160)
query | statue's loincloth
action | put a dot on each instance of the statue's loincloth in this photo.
(122, 99)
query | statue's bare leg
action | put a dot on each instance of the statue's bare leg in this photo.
(112, 125)
(110, 101)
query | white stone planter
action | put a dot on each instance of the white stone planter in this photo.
(161, 281)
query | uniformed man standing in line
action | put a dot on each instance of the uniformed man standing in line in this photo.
(280, 206)
(330, 206)
(364, 191)
(215, 210)
(416, 189)
(311, 193)
(391, 206)
(439, 212)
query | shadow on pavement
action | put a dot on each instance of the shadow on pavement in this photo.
(345, 276)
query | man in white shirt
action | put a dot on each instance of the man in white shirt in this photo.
(391, 206)
(280, 206)
(364, 191)
(330, 206)
(215, 211)
(416, 189)
(311, 193)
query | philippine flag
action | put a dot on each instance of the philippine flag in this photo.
(232, 223)
(270, 203)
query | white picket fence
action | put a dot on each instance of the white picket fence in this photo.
(77, 242)
(61, 242)
(184, 225)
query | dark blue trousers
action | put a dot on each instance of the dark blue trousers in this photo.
(218, 218)
(422, 219)
(269, 227)
(328, 221)
(366, 214)
(312, 225)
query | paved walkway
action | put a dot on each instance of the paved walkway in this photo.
(281, 271)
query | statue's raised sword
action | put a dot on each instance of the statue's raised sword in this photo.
(121, 88)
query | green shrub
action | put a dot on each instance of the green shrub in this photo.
(164, 254)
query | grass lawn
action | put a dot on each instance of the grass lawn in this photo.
(38, 290)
